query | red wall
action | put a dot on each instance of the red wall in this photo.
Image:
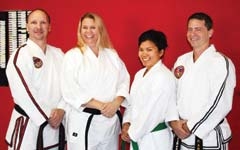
(125, 20)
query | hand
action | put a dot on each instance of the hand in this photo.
(180, 128)
(56, 117)
(185, 127)
(124, 134)
(109, 109)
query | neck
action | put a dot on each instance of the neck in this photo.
(198, 51)
(145, 72)
(42, 44)
(95, 50)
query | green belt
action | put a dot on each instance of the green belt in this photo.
(159, 127)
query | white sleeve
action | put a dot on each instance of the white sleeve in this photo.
(124, 80)
(23, 92)
(220, 100)
(73, 93)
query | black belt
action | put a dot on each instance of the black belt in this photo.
(61, 137)
(198, 142)
(95, 112)
(177, 143)
(40, 131)
(20, 110)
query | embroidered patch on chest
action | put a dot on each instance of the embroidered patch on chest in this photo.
(37, 62)
(178, 72)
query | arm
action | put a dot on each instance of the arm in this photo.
(124, 134)
(178, 126)
(56, 117)
(19, 74)
(109, 109)
(123, 83)
(75, 94)
(93, 103)
(220, 100)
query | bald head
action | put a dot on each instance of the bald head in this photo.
(41, 10)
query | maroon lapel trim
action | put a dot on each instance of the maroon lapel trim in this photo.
(25, 84)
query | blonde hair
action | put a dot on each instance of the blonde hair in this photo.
(103, 40)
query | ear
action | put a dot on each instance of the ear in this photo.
(210, 33)
(161, 53)
(49, 28)
(27, 28)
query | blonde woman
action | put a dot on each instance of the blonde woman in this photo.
(94, 82)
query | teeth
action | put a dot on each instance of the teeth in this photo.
(194, 38)
(89, 36)
(145, 59)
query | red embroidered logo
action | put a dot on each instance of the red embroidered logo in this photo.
(178, 72)
(37, 62)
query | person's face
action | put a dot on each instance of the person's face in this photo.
(149, 54)
(89, 31)
(38, 26)
(197, 34)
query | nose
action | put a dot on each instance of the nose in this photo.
(88, 30)
(143, 53)
(191, 32)
(38, 25)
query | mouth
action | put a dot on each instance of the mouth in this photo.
(145, 59)
(193, 39)
(89, 36)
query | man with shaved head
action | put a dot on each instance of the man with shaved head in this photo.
(33, 75)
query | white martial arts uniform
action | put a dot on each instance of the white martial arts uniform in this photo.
(152, 101)
(84, 77)
(35, 86)
(203, 99)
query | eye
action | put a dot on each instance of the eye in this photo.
(149, 49)
(189, 29)
(84, 27)
(198, 28)
(43, 22)
(33, 22)
(93, 28)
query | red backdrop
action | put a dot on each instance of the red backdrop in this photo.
(125, 20)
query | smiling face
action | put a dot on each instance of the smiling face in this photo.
(38, 26)
(149, 54)
(198, 35)
(89, 32)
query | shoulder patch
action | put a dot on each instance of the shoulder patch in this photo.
(178, 71)
(37, 62)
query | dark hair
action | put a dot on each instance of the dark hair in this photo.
(157, 37)
(202, 16)
(42, 10)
